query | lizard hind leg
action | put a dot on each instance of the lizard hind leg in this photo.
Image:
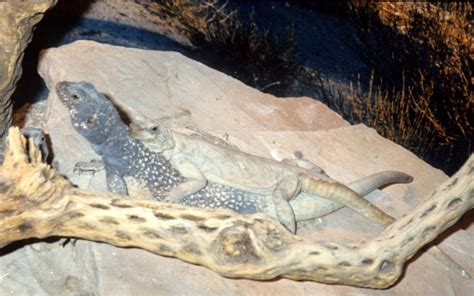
(285, 191)
(305, 164)
(116, 183)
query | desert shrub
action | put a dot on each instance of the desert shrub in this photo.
(390, 113)
(425, 64)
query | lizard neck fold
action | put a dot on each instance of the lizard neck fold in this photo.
(116, 135)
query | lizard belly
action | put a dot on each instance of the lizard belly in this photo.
(220, 196)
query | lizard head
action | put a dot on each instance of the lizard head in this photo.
(152, 134)
(92, 114)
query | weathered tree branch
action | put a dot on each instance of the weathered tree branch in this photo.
(36, 202)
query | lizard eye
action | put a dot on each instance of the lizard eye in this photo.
(90, 120)
(75, 96)
(155, 128)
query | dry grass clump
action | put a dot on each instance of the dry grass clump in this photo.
(424, 54)
(391, 114)
(254, 56)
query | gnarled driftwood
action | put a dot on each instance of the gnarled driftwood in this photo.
(35, 201)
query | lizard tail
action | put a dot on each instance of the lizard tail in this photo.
(351, 199)
(344, 195)
(368, 184)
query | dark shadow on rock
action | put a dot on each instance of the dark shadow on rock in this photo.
(60, 27)
(14, 246)
(122, 113)
(49, 144)
(31, 88)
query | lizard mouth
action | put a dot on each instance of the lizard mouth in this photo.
(61, 90)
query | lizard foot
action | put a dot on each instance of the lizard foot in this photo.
(91, 167)
(286, 216)
(284, 211)
(301, 162)
(285, 191)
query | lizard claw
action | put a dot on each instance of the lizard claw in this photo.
(290, 224)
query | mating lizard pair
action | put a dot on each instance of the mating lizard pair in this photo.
(242, 182)
(175, 167)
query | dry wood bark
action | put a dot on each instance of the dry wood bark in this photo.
(37, 202)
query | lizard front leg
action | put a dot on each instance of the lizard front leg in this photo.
(195, 180)
(285, 191)
(93, 166)
(116, 183)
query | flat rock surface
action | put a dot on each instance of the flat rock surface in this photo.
(179, 92)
